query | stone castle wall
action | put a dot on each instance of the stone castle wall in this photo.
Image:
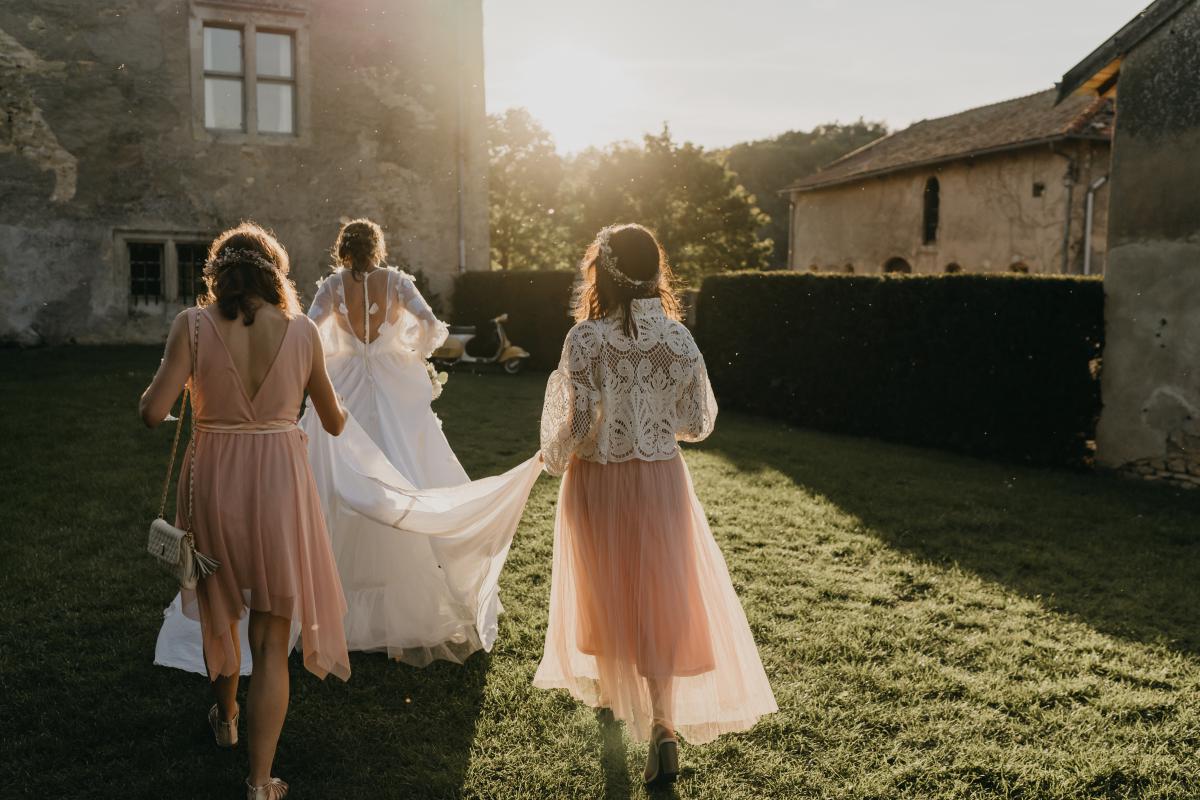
(102, 142)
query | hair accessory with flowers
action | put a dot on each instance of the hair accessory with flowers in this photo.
(608, 262)
(239, 255)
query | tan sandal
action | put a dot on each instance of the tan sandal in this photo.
(224, 732)
(273, 789)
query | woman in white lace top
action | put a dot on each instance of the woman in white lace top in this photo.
(644, 620)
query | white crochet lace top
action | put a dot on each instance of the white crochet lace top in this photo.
(616, 398)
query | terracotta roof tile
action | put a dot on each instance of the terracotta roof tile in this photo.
(1001, 126)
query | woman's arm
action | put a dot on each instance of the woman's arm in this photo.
(320, 388)
(322, 304)
(173, 372)
(571, 406)
(432, 330)
(696, 408)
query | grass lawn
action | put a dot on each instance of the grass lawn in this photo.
(934, 626)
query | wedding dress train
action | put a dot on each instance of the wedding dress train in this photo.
(419, 547)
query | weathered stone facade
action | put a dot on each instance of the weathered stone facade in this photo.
(106, 159)
(1150, 425)
(1001, 205)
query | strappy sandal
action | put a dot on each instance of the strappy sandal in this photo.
(662, 759)
(224, 732)
(274, 789)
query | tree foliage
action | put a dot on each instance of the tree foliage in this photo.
(767, 166)
(704, 218)
(525, 192)
(713, 210)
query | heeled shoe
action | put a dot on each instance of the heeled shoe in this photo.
(274, 789)
(662, 759)
(224, 732)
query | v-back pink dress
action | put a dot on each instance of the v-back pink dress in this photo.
(257, 509)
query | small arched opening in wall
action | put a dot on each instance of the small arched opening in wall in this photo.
(932, 203)
(897, 264)
(953, 268)
(848, 269)
(814, 268)
(1019, 267)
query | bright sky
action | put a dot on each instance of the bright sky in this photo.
(723, 72)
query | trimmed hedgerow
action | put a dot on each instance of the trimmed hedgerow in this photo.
(537, 304)
(995, 365)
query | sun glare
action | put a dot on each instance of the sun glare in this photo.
(581, 94)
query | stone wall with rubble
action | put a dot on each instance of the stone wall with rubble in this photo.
(1150, 425)
(100, 141)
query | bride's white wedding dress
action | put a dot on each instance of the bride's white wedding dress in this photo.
(419, 547)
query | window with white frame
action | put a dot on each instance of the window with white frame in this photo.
(249, 74)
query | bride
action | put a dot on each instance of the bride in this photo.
(430, 591)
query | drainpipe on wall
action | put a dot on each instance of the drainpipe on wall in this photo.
(1069, 182)
(1087, 236)
(460, 159)
(791, 231)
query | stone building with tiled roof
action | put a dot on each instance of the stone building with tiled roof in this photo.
(1019, 185)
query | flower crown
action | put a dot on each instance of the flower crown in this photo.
(608, 262)
(227, 258)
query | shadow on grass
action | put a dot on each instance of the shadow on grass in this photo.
(1121, 556)
(613, 757)
(395, 727)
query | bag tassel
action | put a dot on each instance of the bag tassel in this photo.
(203, 565)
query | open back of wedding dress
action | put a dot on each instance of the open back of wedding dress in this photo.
(419, 547)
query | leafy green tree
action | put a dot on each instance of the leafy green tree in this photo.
(767, 166)
(705, 219)
(525, 178)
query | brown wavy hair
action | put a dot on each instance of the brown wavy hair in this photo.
(639, 256)
(359, 247)
(239, 284)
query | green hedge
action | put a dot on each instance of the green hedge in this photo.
(537, 304)
(991, 365)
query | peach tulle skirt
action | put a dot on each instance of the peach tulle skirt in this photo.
(643, 616)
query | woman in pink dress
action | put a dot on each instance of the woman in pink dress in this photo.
(256, 509)
(644, 620)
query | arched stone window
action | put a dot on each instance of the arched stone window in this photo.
(932, 204)
(1019, 267)
(897, 264)
(953, 267)
(848, 269)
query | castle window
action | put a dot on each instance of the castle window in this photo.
(1019, 267)
(897, 264)
(224, 79)
(250, 77)
(189, 259)
(932, 201)
(1039, 188)
(953, 267)
(275, 75)
(145, 271)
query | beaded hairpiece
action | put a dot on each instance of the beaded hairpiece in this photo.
(608, 262)
(240, 256)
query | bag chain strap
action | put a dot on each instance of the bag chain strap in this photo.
(183, 407)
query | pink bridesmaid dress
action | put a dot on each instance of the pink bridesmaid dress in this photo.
(256, 506)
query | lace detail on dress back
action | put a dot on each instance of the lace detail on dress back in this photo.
(616, 398)
(387, 314)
